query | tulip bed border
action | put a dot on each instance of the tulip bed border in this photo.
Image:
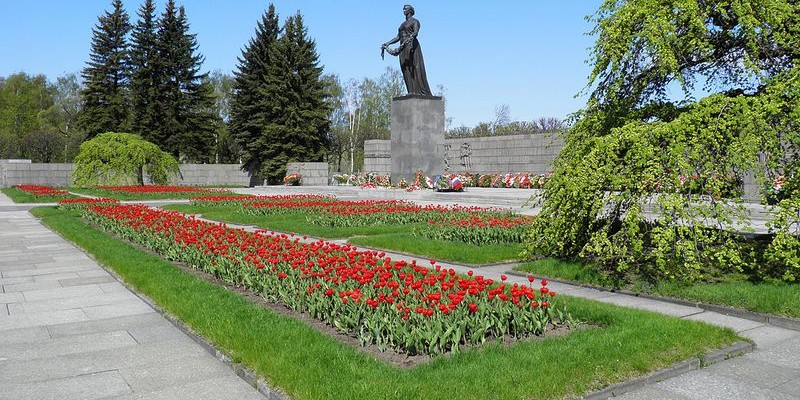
(24, 193)
(472, 225)
(391, 304)
(153, 192)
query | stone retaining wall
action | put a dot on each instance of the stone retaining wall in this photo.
(312, 173)
(13, 172)
(532, 153)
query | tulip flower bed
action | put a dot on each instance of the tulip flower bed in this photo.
(478, 229)
(296, 358)
(23, 193)
(81, 203)
(391, 304)
(153, 192)
(327, 211)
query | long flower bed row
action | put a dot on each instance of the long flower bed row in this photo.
(42, 191)
(389, 303)
(327, 211)
(474, 225)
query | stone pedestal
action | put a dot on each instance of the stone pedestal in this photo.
(417, 136)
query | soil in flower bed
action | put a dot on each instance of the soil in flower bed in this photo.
(388, 356)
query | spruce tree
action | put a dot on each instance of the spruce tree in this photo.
(146, 73)
(299, 131)
(279, 113)
(255, 84)
(105, 105)
(186, 99)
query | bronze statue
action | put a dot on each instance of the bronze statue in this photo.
(410, 54)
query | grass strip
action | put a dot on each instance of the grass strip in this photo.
(124, 196)
(386, 237)
(310, 365)
(767, 297)
(20, 196)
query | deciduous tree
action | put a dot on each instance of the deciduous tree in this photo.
(122, 158)
(632, 140)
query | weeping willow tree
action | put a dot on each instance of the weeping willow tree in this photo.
(649, 185)
(122, 158)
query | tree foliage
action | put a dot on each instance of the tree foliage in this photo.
(22, 99)
(360, 110)
(650, 186)
(122, 158)
(185, 98)
(146, 75)
(106, 77)
(255, 82)
(279, 113)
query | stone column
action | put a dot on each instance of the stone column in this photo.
(417, 136)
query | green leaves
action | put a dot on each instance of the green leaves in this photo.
(120, 158)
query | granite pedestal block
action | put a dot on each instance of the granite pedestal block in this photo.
(417, 136)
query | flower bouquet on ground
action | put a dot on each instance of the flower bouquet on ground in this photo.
(293, 180)
(448, 183)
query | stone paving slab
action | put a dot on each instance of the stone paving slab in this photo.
(164, 375)
(70, 303)
(704, 385)
(24, 335)
(62, 292)
(28, 271)
(90, 386)
(750, 370)
(127, 323)
(55, 277)
(12, 281)
(737, 324)
(768, 336)
(67, 345)
(85, 281)
(787, 355)
(671, 309)
(652, 393)
(75, 364)
(31, 286)
(215, 388)
(129, 307)
(10, 298)
(41, 319)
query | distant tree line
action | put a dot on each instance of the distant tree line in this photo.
(502, 125)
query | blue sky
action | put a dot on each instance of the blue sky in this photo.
(528, 54)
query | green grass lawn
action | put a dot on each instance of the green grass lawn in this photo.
(769, 297)
(307, 364)
(387, 237)
(19, 196)
(145, 196)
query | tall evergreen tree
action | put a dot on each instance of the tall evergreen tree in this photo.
(105, 105)
(255, 84)
(299, 131)
(186, 99)
(278, 111)
(146, 75)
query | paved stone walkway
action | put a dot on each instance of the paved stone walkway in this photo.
(69, 330)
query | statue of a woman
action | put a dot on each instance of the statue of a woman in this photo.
(410, 54)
